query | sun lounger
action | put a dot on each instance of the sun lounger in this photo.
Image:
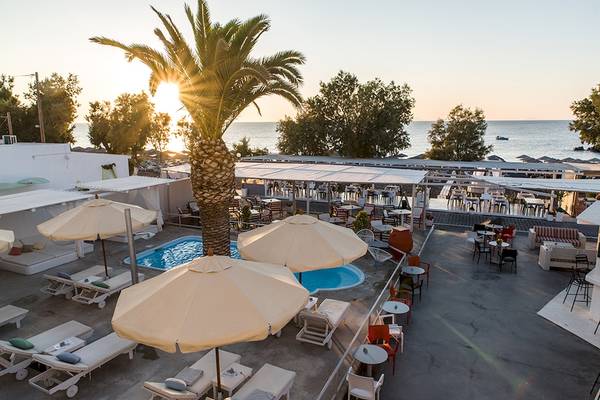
(15, 361)
(158, 390)
(64, 376)
(88, 293)
(320, 325)
(270, 382)
(58, 285)
(12, 315)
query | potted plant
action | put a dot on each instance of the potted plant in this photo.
(361, 222)
(246, 214)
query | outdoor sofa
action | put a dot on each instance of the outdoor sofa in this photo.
(540, 234)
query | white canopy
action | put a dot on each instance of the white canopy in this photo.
(590, 215)
(320, 173)
(124, 184)
(33, 199)
(569, 185)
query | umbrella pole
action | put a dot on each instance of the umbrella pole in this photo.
(218, 373)
(300, 277)
(104, 255)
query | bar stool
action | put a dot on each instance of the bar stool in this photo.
(581, 268)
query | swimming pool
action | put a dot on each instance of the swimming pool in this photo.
(186, 248)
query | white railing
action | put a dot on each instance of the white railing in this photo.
(335, 381)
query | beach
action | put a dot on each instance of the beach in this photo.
(534, 138)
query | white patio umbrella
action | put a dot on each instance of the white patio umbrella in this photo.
(302, 243)
(209, 302)
(95, 219)
(591, 216)
(7, 239)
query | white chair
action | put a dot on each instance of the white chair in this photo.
(16, 361)
(366, 235)
(394, 329)
(64, 376)
(88, 293)
(363, 387)
(274, 381)
(319, 326)
(379, 255)
(201, 385)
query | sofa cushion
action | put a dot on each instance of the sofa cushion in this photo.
(21, 343)
(175, 384)
(69, 358)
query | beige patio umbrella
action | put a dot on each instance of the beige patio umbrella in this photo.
(7, 239)
(209, 302)
(95, 219)
(302, 243)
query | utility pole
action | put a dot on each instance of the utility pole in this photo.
(39, 107)
(9, 122)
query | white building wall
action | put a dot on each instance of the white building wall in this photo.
(57, 163)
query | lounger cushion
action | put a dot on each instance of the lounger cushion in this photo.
(63, 275)
(68, 358)
(21, 343)
(189, 375)
(258, 394)
(175, 384)
(101, 284)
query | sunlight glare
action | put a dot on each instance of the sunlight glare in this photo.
(166, 99)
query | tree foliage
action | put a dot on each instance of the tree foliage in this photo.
(59, 104)
(122, 127)
(460, 137)
(350, 119)
(217, 75)
(160, 132)
(242, 149)
(587, 118)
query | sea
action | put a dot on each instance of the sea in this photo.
(533, 138)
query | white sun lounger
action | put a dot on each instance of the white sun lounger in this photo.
(61, 286)
(15, 361)
(158, 390)
(87, 293)
(319, 325)
(273, 380)
(64, 376)
(10, 314)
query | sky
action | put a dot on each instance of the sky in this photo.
(524, 59)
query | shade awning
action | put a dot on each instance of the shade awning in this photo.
(569, 185)
(591, 215)
(124, 184)
(33, 199)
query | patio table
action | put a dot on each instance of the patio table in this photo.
(370, 354)
(414, 272)
(269, 201)
(395, 307)
(494, 244)
(232, 378)
(67, 345)
(401, 213)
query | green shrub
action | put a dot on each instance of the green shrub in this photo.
(361, 222)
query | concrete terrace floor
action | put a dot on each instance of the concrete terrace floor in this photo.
(123, 379)
(476, 334)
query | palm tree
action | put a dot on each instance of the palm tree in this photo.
(217, 78)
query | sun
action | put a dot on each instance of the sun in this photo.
(166, 99)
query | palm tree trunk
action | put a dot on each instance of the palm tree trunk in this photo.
(213, 180)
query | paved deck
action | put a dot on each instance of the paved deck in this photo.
(122, 379)
(476, 334)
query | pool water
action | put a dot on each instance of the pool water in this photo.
(186, 248)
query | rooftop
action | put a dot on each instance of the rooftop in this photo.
(475, 334)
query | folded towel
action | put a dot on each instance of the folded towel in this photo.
(258, 394)
(189, 375)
